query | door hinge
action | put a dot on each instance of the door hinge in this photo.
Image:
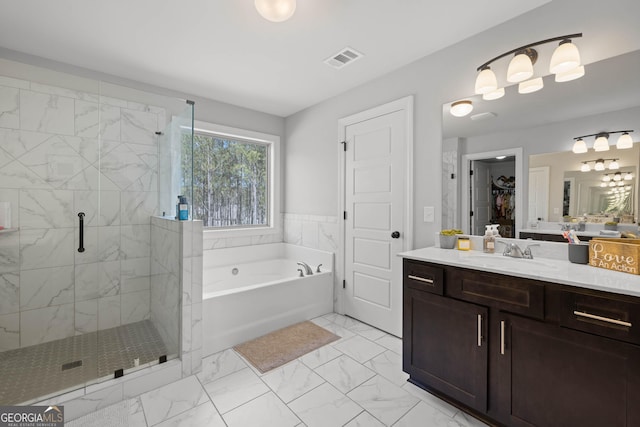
(453, 176)
(344, 284)
(344, 145)
(471, 172)
(471, 213)
(344, 215)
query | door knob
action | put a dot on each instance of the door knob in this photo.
(395, 234)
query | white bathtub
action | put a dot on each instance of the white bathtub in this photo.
(252, 290)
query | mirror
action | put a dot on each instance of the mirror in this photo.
(543, 123)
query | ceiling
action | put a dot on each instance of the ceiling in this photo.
(223, 50)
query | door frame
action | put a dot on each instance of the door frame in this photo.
(405, 104)
(466, 186)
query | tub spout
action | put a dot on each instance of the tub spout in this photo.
(307, 270)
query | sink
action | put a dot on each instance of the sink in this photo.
(508, 263)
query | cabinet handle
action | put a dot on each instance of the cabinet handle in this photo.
(502, 337)
(420, 279)
(479, 330)
(603, 319)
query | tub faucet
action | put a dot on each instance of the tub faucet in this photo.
(308, 271)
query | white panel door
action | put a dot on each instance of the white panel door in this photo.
(539, 193)
(375, 209)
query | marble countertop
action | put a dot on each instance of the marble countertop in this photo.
(545, 269)
(579, 233)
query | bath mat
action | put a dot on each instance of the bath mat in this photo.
(284, 345)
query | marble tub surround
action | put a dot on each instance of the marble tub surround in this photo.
(550, 263)
(64, 151)
(325, 388)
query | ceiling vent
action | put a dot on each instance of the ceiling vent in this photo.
(344, 57)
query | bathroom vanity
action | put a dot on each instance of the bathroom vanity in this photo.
(518, 342)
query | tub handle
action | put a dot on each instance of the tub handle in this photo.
(318, 268)
(301, 273)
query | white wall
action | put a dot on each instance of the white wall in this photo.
(312, 135)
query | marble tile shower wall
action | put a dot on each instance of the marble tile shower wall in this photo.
(312, 231)
(52, 166)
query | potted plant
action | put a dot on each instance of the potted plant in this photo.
(611, 225)
(449, 237)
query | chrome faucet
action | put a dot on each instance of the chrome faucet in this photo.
(514, 251)
(308, 271)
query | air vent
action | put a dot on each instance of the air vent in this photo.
(483, 116)
(344, 57)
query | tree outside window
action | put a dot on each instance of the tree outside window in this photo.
(230, 181)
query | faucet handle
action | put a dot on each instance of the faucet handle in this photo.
(507, 247)
(318, 268)
(527, 250)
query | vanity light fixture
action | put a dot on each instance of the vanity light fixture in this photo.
(628, 176)
(603, 184)
(585, 167)
(565, 64)
(617, 176)
(601, 142)
(599, 165)
(606, 178)
(461, 108)
(276, 10)
(614, 165)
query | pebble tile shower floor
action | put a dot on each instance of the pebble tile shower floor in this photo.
(32, 372)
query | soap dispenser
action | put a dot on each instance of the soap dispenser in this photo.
(489, 240)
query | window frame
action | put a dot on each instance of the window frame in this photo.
(274, 185)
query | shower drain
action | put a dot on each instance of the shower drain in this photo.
(71, 365)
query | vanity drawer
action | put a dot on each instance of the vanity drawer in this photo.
(611, 317)
(508, 293)
(423, 277)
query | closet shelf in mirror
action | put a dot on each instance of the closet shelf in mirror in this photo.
(8, 230)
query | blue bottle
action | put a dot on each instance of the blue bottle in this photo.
(182, 209)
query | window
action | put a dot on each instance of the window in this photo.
(233, 178)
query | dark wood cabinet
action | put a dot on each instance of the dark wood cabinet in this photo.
(520, 352)
(445, 347)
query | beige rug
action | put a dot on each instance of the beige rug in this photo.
(284, 345)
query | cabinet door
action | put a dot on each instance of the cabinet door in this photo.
(552, 376)
(444, 346)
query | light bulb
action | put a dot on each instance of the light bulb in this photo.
(531, 86)
(573, 74)
(496, 94)
(599, 165)
(601, 143)
(566, 57)
(276, 10)
(606, 178)
(579, 146)
(461, 108)
(486, 81)
(628, 176)
(585, 167)
(520, 68)
(614, 165)
(625, 141)
(617, 177)
(603, 184)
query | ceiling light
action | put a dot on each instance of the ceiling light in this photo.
(579, 146)
(585, 167)
(617, 176)
(624, 141)
(565, 60)
(603, 184)
(567, 76)
(501, 157)
(612, 184)
(531, 86)
(599, 165)
(602, 142)
(276, 10)
(614, 165)
(620, 183)
(496, 94)
(606, 178)
(628, 176)
(461, 108)
(521, 66)
(566, 57)
(486, 81)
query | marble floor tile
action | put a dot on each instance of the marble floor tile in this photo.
(265, 411)
(325, 406)
(365, 419)
(421, 412)
(430, 399)
(126, 413)
(233, 390)
(344, 373)
(359, 348)
(392, 343)
(389, 365)
(202, 415)
(172, 399)
(219, 365)
(369, 332)
(466, 420)
(385, 401)
(321, 321)
(292, 380)
(320, 356)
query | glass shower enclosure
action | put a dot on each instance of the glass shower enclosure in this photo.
(79, 183)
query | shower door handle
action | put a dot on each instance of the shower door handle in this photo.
(81, 225)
